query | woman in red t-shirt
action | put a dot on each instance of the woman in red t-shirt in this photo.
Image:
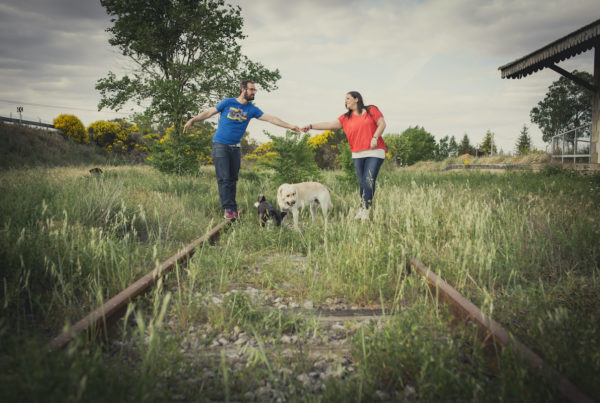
(364, 126)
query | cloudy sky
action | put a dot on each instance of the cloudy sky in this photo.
(432, 63)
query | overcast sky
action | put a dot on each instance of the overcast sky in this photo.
(432, 63)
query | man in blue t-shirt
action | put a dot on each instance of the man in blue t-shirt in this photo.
(226, 153)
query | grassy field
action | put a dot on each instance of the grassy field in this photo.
(235, 323)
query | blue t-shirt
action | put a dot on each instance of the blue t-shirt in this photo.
(234, 120)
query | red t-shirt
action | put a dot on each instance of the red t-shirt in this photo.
(360, 129)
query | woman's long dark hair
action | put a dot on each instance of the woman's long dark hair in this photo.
(360, 104)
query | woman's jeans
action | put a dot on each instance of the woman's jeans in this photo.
(367, 170)
(227, 160)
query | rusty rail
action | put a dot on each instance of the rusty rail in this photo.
(464, 308)
(98, 318)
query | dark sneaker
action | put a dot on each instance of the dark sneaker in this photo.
(231, 214)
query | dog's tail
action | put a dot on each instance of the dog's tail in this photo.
(339, 199)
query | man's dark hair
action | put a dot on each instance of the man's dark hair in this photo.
(244, 85)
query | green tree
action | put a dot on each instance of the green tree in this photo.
(294, 160)
(566, 106)
(187, 56)
(71, 126)
(524, 142)
(452, 147)
(416, 144)
(488, 147)
(443, 148)
(465, 146)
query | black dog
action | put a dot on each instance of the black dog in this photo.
(266, 211)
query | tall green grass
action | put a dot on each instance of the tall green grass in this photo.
(70, 239)
(523, 246)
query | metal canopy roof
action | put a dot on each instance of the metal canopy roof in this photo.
(583, 39)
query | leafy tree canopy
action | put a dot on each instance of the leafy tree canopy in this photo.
(187, 57)
(416, 144)
(446, 147)
(566, 106)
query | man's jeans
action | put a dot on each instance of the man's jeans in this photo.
(227, 160)
(367, 170)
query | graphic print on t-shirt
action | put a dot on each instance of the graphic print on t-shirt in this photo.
(237, 114)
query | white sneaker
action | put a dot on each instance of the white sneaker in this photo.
(363, 214)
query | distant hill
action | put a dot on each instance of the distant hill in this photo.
(22, 147)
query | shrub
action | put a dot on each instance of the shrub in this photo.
(184, 153)
(345, 161)
(294, 160)
(117, 136)
(326, 148)
(104, 133)
(264, 153)
(71, 127)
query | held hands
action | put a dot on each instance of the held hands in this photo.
(306, 128)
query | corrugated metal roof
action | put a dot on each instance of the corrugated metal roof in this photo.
(583, 39)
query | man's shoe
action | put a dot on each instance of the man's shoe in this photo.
(231, 214)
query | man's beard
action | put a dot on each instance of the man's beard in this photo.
(249, 97)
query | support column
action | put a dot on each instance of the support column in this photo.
(595, 143)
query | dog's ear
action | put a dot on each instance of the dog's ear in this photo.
(261, 198)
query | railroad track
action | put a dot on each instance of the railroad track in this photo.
(113, 309)
(490, 331)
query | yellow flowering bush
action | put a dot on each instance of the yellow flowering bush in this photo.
(118, 136)
(71, 126)
(325, 145)
(263, 153)
(104, 133)
(321, 139)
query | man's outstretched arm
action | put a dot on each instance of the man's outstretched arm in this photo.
(202, 116)
(278, 122)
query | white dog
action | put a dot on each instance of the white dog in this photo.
(291, 197)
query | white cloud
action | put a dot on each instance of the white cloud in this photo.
(431, 63)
